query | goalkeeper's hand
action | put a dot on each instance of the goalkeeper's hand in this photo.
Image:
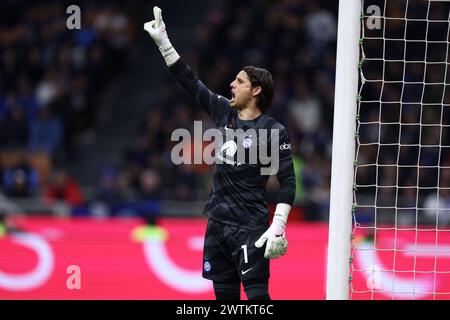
(276, 236)
(157, 30)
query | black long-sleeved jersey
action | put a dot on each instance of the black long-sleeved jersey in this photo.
(238, 193)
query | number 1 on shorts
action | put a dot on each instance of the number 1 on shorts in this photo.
(244, 247)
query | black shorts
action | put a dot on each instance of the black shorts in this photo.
(230, 255)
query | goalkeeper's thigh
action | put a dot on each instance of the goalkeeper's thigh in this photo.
(227, 290)
(257, 289)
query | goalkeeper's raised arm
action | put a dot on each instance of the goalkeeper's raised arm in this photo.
(214, 105)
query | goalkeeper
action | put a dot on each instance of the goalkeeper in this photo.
(238, 242)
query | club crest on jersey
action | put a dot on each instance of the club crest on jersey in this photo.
(207, 266)
(247, 142)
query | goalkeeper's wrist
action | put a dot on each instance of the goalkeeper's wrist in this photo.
(281, 214)
(169, 53)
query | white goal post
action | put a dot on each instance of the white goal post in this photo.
(346, 90)
(389, 222)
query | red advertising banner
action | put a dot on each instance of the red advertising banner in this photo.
(85, 258)
(402, 263)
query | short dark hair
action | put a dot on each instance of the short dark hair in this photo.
(262, 78)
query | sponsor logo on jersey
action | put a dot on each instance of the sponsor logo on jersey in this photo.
(285, 146)
(229, 148)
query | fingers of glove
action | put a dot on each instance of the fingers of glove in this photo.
(158, 16)
(260, 242)
(275, 248)
(149, 26)
(270, 250)
(280, 246)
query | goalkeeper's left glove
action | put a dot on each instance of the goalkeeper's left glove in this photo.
(275, 235)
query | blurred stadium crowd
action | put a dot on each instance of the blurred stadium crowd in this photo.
(413, 159)
(51, 79)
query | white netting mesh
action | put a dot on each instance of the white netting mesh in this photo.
(401, 210)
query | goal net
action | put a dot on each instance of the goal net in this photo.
(400, 235)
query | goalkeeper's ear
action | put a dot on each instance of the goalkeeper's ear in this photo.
(256, 90)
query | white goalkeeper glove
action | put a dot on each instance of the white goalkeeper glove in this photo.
(275, 235)
(157, 30)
